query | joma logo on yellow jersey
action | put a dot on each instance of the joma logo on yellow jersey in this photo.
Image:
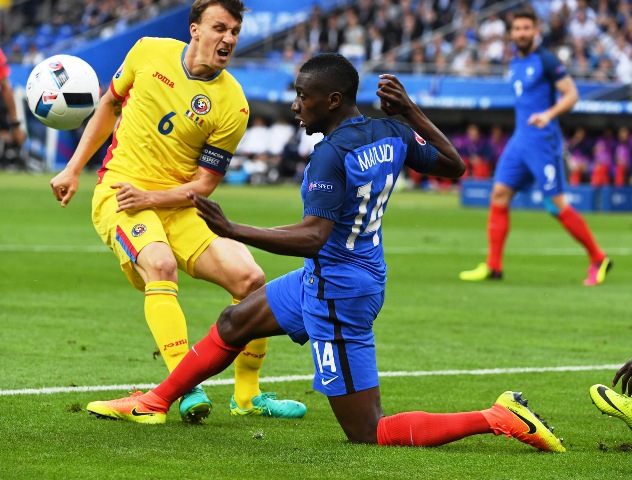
(163, 79)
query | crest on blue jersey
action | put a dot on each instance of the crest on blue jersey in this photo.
(317, 185)
(138, 230)
(419, 138)
(201, 104)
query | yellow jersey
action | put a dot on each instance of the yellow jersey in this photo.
(171, 121)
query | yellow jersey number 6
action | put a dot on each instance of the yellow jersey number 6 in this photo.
(166, 125)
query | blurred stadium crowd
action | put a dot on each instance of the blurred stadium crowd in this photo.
(436, 37)
(28, 27)
(469, 37)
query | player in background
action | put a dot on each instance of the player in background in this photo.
(534, 152)
(615, 404)
(178, 117)
(333, 300)
(17, 135)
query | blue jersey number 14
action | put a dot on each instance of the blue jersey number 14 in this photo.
(375, 220)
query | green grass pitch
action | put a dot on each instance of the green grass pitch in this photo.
(69, 320)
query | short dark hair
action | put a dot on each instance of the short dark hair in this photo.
(335, 71)
(235, 7)
(526, 13)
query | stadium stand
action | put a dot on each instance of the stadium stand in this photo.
(451, 53)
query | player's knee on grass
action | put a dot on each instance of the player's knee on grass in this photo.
(358, 414)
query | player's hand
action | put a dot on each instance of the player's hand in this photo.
(212, 214)
(393, 97)
(130, 198)
(539, 120)
(625, 374)
(64, 186)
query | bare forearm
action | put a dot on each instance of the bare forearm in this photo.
(454, 167)
(422, 124)
(568, 98)
(565, 103)
(177, 197)
(291, 240)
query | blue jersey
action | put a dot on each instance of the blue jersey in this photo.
(349, 180)
(533, 79)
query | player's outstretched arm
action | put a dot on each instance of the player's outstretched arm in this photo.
(303, 239)
(394, 100)
(569, 96)
(97, 131)
(625, 374)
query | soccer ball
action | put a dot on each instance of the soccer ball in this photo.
(62, 91)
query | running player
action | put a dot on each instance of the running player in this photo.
(178, 117)
(534, 152)
(334, 299)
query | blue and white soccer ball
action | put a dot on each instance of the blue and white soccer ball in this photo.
(62, 91)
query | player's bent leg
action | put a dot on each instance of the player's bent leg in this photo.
(359, 414)
(612, 403)
(230, 265)
(248, 320)
(252, 320)
(361, 417)
(213, 354)
(509, 416)
(157, 264)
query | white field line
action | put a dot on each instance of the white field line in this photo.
(295, 378)
(416, 250)
(54, 248)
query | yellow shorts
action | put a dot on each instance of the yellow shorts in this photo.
(127, 233)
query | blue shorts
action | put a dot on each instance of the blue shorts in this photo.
(526, 160)
(340, 333)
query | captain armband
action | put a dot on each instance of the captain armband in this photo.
(215, 159)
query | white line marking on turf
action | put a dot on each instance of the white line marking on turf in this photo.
(423, 249)
(54, 248)
(532, 251)
(295, 378)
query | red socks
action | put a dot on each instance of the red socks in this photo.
(422, 429)
(206, 358)
(497, 230)
(578, 228)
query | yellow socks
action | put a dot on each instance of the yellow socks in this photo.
(247, 367)
(166, 321)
